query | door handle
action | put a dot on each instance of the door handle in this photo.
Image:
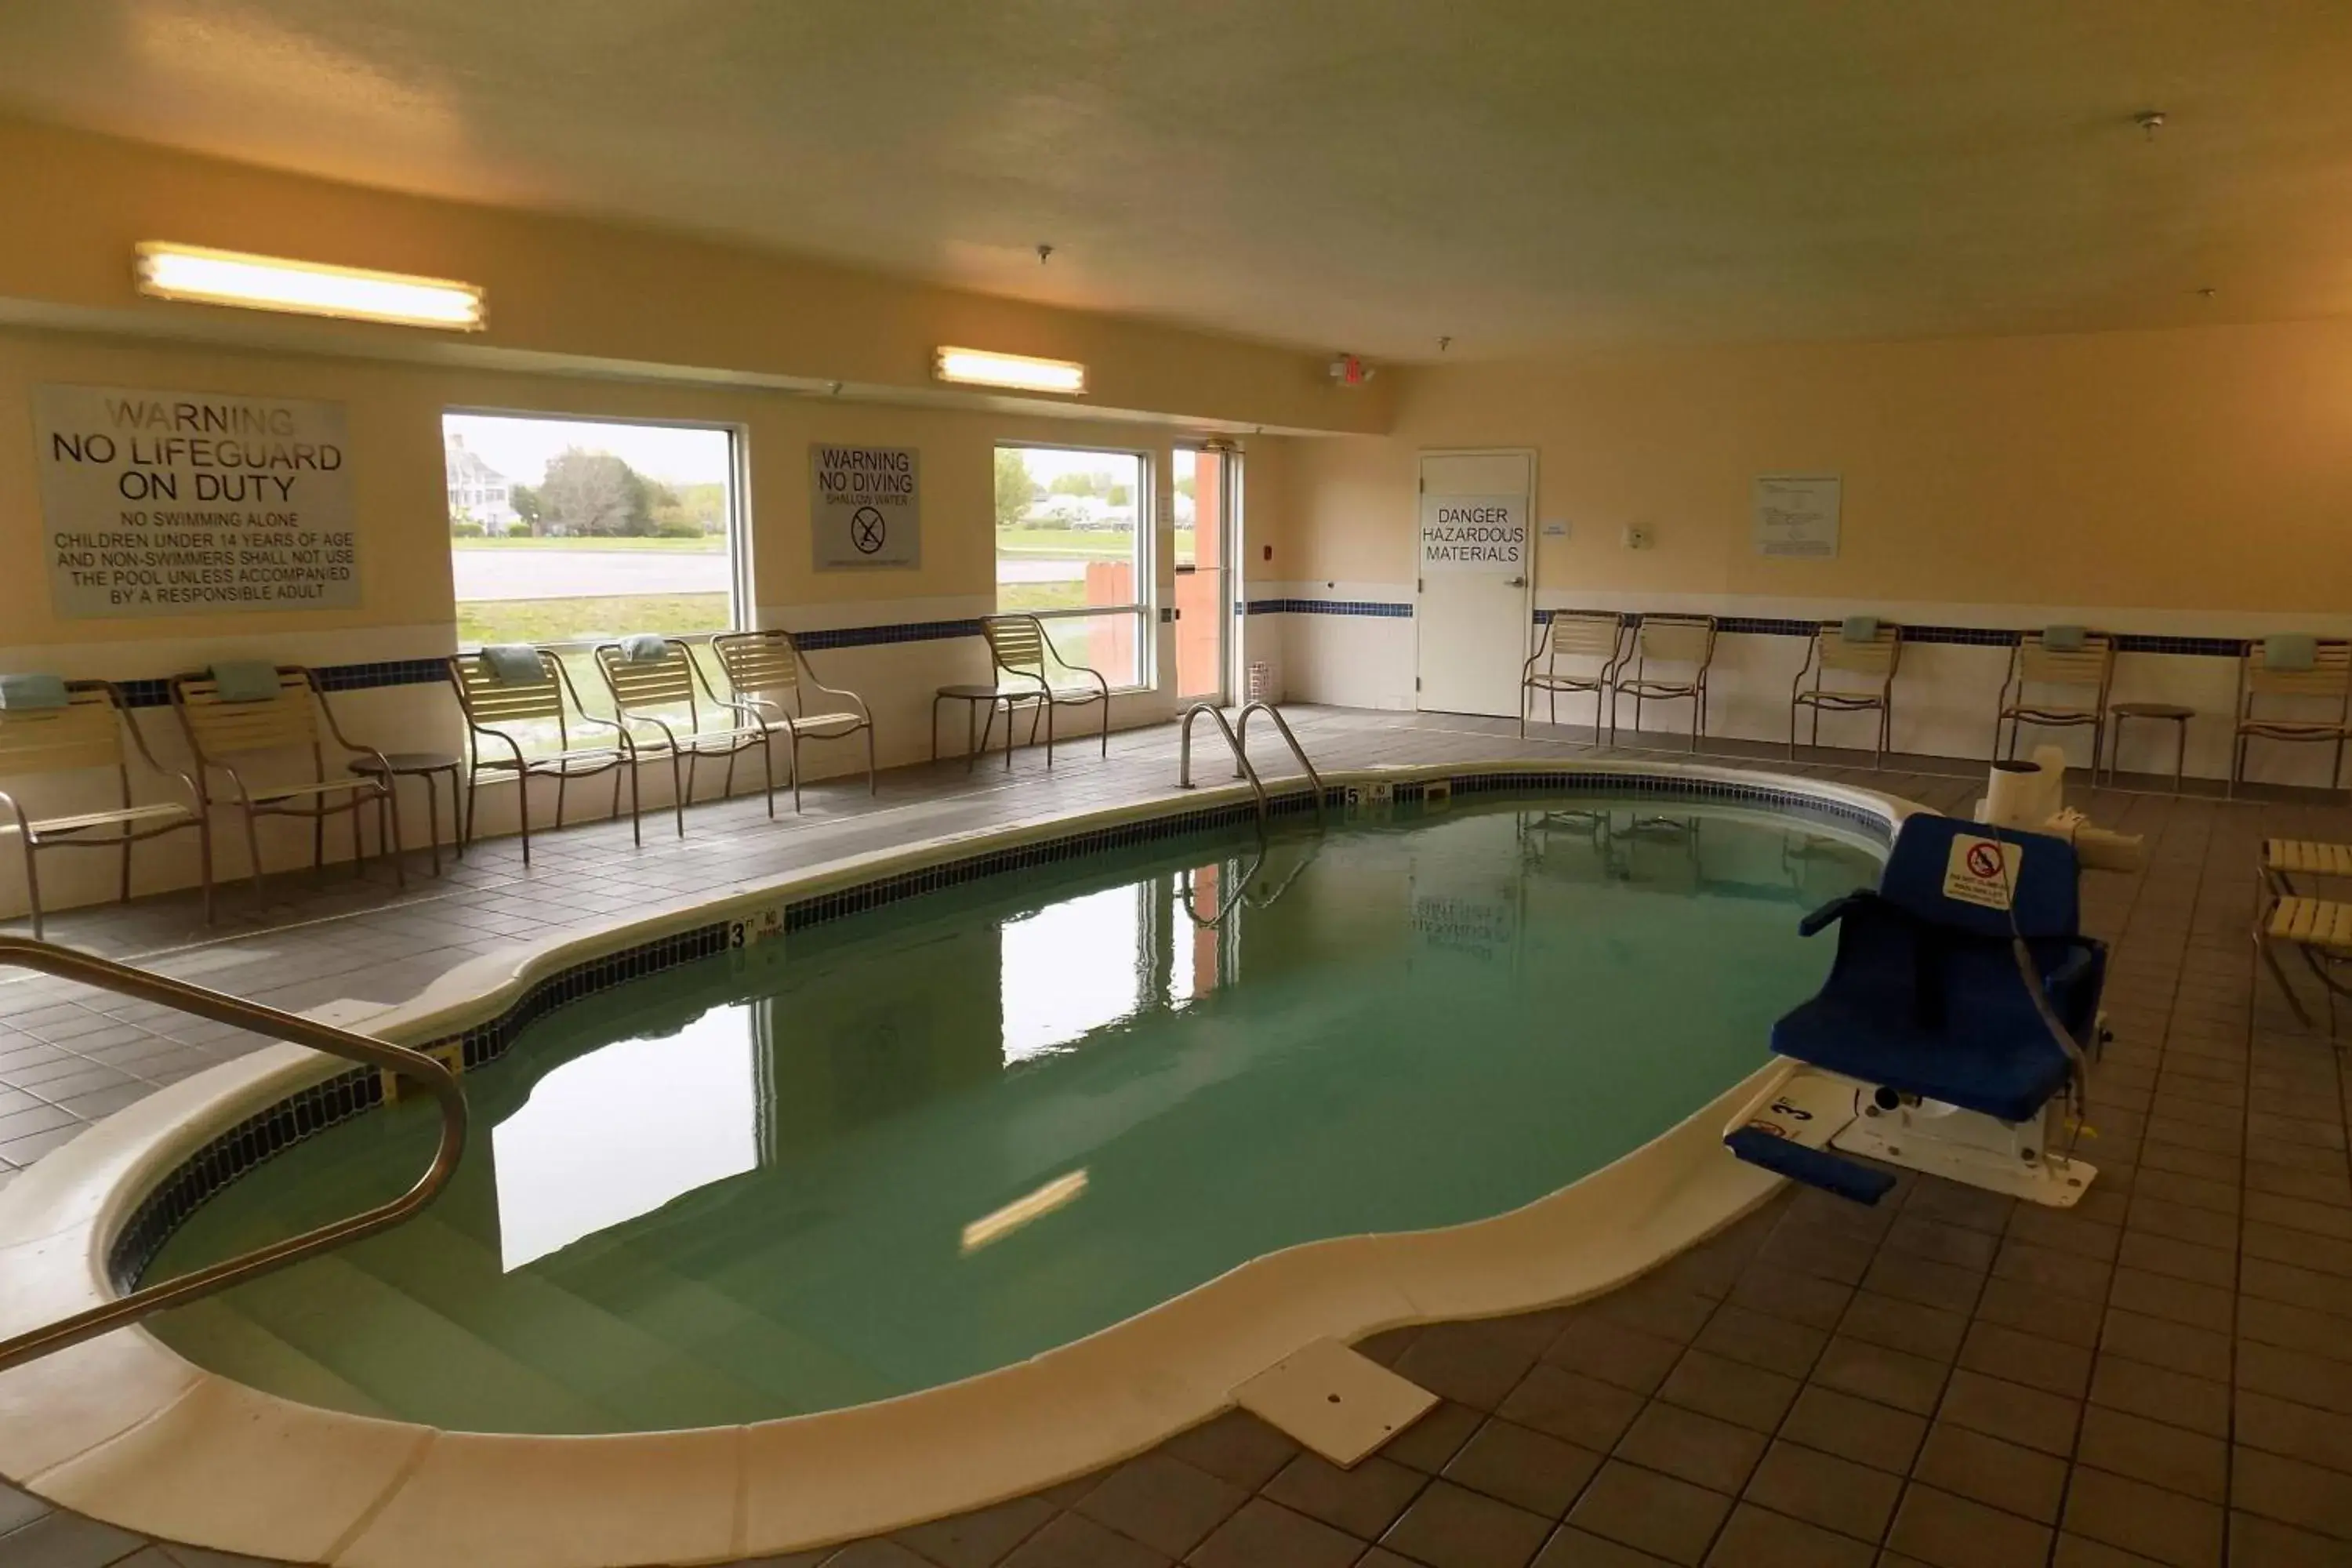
(1516, 582)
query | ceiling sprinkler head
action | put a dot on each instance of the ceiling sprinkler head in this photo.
(1444, 344)
(2150, 120)
(1046, 252)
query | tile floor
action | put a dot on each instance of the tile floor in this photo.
(2162, 1375)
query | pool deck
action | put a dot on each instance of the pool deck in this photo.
(2163, 1374)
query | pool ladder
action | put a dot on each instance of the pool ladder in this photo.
(438, 1079)
(1237, 741)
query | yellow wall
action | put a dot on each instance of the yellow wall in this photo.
(2208, 468)
(76, 206)
(398, 486)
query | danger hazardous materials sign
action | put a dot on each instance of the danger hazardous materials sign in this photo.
(1982, 871)
(189, 504)
(1474, 534)
(865, 507)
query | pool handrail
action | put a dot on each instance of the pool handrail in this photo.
(1236, 741)
(1242, 769)
(145, 985)
(1240, 747)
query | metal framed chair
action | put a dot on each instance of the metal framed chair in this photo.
(1027, 662)
(1866, 651)
(87, 733)
(229, 735)
(493, 707)
(2267, 669)
(1669, 641)
(771, 676)
(2088, 665)
(671, 679)
(1579, 634)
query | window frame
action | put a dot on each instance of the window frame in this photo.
(1147, 546)
(741, 611)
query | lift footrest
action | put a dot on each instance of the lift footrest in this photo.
(1815, 1167)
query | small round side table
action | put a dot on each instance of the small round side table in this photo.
(2172, 713)
(423, 765)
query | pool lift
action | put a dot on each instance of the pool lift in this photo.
(1957, 1028)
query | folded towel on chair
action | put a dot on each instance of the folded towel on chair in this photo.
(513, 664)
(645, 647)
(2290, 652)
(1860, 628)
(30, 693)
(244, 680)
(2064, 639)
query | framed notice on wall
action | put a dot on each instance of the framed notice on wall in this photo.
(1797, 515)
(865, 507)
(189, 504)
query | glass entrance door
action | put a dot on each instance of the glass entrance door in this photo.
(1208, 521)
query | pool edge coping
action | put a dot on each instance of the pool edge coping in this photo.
(144, 1439)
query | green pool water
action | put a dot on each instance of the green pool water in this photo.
(918, 1143)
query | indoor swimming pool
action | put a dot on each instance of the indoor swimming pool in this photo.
(908, 1145)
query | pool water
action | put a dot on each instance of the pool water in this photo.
(914, 1144)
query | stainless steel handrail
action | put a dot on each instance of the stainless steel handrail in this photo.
(1241, 746)
(1242, 769)
(66, 963)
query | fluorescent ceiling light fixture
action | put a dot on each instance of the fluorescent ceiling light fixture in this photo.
(978, 367)
(306, 287)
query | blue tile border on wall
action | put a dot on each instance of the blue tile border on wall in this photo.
(155, 692)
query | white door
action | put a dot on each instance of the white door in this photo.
(1473, 610)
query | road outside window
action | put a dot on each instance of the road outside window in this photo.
(582, 531)
(1070, 526)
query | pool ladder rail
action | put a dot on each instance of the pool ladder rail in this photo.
(1236, 736)
(123, 979)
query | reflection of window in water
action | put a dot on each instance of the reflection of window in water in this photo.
(622, 1130)
(1068, 969)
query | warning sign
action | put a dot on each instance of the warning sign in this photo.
(1982, 871)
(1474, 534)
(179, 504)
(865, 507)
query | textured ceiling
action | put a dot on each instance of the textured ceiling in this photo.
(1366, 174)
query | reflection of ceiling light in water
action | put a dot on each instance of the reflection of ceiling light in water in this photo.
(1055, 1194)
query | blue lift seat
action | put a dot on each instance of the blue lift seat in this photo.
(1925, 997)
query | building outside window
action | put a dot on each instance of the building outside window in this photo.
(576, 530)
(1071, 526)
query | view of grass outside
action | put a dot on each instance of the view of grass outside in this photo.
(566, 529)
(1068, 538)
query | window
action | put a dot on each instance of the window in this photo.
(579, 531)
(1070, 527)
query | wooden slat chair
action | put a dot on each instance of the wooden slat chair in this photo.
(230, 738)
(673, 696)
(1026, 664)
(87, 733)
(495, 709)
(2089, 669)
(1866, 665)
(1576, 635)
(2327, 683)
(768, 673)
(2320, 929)
(1669, 641)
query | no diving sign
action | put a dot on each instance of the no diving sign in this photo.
(865, 507)
(1982, 871)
